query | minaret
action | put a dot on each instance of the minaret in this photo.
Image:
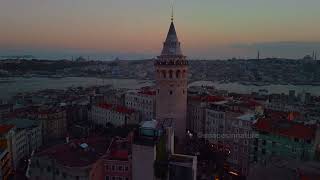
(313, 55)
(171, 83)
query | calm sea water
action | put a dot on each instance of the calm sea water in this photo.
(11, 86)
(240, 88)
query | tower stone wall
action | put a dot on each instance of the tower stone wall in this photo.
(171, 83)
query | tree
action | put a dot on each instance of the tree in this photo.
(161, 163)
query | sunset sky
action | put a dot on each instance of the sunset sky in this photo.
(135, 29)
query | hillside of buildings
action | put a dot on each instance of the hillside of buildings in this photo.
(259, 72)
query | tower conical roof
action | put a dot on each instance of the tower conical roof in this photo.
(172, 45)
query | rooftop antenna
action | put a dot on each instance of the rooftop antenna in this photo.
(258, 55)
(172, 10)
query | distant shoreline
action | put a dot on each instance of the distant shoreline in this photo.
(245, 83)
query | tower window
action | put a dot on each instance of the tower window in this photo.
(178, 73)
(170, 92)
(184, 73)
(170, 74)
(158, 91)
(164, 75)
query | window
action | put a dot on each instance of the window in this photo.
(120, 168)
(264, 142)
(184, 73)
(107, 178)
(170, 92)
(294, 150)
(126, 168)
(170, 74)
(164, 75)
(64, 175)
(246, 142)
(178, 74)
(113, 168)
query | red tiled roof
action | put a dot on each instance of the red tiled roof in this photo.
(119, 155)
(306, 176)
(122, 109)
(208, 98)
(105, 106)
(72, 155)
(251, 103)
(5, 128)
(285, 128)
(148, 92)
(282, 115)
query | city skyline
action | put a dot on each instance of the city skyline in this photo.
(133, 30)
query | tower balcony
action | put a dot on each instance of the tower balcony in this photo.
(171, 62)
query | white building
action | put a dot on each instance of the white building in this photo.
(282, 107)
(196, 113)
(143, 101)
(26, 137)
(229, 126)
(102, 114)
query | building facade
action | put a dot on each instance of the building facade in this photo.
(171, 83)
(283, 138)
(27, 138)
(5, 164)
(228, 126)
(103, 114)
(71, 161)
(116, 164)
(54, 122)
(143, 101)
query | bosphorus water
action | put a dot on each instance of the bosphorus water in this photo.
(12, 86)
